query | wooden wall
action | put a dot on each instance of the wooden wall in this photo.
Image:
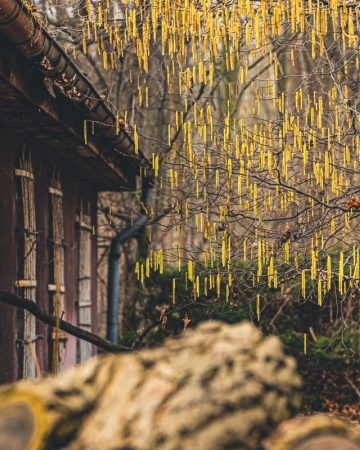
(75, 193)
(8, 360)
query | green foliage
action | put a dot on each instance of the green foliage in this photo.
(282, 314)
(333, 338)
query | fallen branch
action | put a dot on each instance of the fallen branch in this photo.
(20, 302)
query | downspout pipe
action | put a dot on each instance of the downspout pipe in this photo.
(112, 329)
(20, 27)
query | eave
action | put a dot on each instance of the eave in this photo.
(55, 124)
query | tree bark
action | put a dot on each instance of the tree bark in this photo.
(216, 387)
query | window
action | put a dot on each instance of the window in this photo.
(84, 350)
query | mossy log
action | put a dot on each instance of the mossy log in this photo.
(219, 387)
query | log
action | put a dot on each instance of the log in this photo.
(216, 387)
(318, 432)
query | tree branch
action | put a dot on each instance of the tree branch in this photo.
(20, 302)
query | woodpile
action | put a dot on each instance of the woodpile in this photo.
(219, 387)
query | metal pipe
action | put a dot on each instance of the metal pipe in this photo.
(112, 329)
(19, 25)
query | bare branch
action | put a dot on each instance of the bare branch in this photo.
(23, 303)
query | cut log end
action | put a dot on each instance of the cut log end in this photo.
(22, 423)
(329, 442)
(318, 432)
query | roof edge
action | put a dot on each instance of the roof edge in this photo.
(19, 25)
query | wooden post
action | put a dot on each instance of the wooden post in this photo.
(26, 273)
(57, 287)
(8, 357)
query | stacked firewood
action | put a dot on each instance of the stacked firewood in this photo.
(219, 387)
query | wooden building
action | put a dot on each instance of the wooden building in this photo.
(49, 180)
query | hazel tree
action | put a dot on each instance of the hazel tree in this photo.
(256, 155)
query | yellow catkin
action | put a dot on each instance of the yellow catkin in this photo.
(190, 270)
(160, 261)
(136, 140)
(85, 132)
(319, 293)
(247, 34)
(313, 44)
(156, 168)
(303, 283)
(341, 272)
(329, 273)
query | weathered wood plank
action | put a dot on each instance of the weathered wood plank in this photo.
(56, 265)
(27, 256)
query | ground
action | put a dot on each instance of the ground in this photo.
(332, 391)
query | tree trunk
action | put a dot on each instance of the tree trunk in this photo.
(219, 387)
